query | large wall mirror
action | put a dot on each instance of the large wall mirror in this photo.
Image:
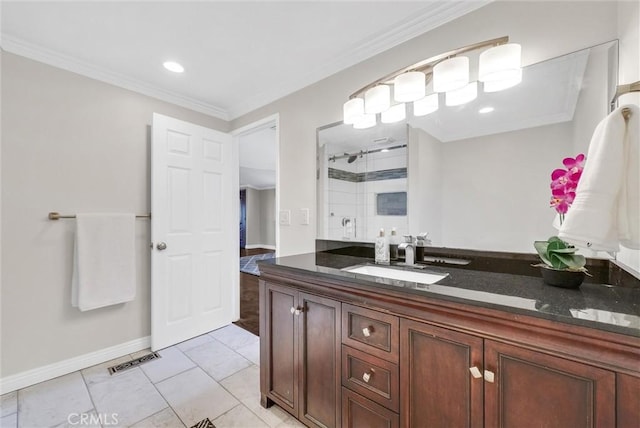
(474, 176)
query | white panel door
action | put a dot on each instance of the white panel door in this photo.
(194, 230)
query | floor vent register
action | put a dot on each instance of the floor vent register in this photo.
(133, 363)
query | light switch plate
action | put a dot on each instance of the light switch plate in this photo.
(285, 217)
(304, 216)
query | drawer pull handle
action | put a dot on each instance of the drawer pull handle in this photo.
(366, 377)
(366, 331)
(489, 376)
(475, 372)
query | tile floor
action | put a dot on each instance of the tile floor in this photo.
(213, 376)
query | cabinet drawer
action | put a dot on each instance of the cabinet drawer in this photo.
(371, 377)
(359, 412)
(373, 332)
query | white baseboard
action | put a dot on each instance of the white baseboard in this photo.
(40, 374)
(254, 246)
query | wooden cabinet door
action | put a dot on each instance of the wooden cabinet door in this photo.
(319, 356)
(279, 352)
(532, 389)
(436, 386)
(628, 401)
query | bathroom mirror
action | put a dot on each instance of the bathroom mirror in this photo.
(474, 176)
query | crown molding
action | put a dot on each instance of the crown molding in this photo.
(38, 53)
(433, 16)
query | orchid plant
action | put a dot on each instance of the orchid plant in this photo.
(564, 183)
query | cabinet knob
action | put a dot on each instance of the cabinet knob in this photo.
(367, 331)
(475, 372)
(295, 311)
(366, 376)
(489, 376)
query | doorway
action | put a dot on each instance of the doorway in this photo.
(258, 181)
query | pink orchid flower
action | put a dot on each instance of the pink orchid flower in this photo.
(564, 183)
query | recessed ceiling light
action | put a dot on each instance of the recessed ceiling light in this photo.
(486, 110)
(173, 66)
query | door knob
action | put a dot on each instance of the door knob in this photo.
(161, 246)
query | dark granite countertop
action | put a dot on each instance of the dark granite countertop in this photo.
(599, 306)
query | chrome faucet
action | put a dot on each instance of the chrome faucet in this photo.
(409, 250)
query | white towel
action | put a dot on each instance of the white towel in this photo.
(606, 210)
(104, 260)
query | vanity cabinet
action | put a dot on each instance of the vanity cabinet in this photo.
(346, 354)
(300, 370)
(461, 380)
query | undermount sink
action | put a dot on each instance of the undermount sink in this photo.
(420, 277)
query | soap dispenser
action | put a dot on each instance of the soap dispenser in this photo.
(382, 249)
(422, 241)
(393, 245)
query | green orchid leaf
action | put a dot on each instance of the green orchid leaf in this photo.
(556, 261)
(541, 248)
(555, 239)
(565, 250)
(570, 262)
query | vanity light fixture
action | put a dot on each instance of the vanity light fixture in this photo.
(365, 121)
(394, 114)
(173, 66)
(451, 74)
(426, 105)
(409, 86)
(462, 96)
(499, 68)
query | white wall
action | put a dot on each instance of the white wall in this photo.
(69, 144)
(495, 193)
(545, 30)
(425, 183)
(261, 223)
(268, 217)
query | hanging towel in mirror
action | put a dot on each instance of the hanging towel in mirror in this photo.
(606, 209)
(104, 260)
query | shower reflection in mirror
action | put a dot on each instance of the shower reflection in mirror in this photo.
(364, 182)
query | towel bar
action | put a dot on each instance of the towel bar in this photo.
(58, 216)
(621, 90)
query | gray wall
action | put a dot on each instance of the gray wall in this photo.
(69, 144)
(261, 226)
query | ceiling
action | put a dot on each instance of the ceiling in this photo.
(238, 56)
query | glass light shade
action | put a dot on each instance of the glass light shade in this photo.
(426, 105)
(499, 85)
(395, 113)
(451, 74)
(500, 63)
(352, 110)
(365, 121)
(409, 86)
(377, 99)
(462, 95)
